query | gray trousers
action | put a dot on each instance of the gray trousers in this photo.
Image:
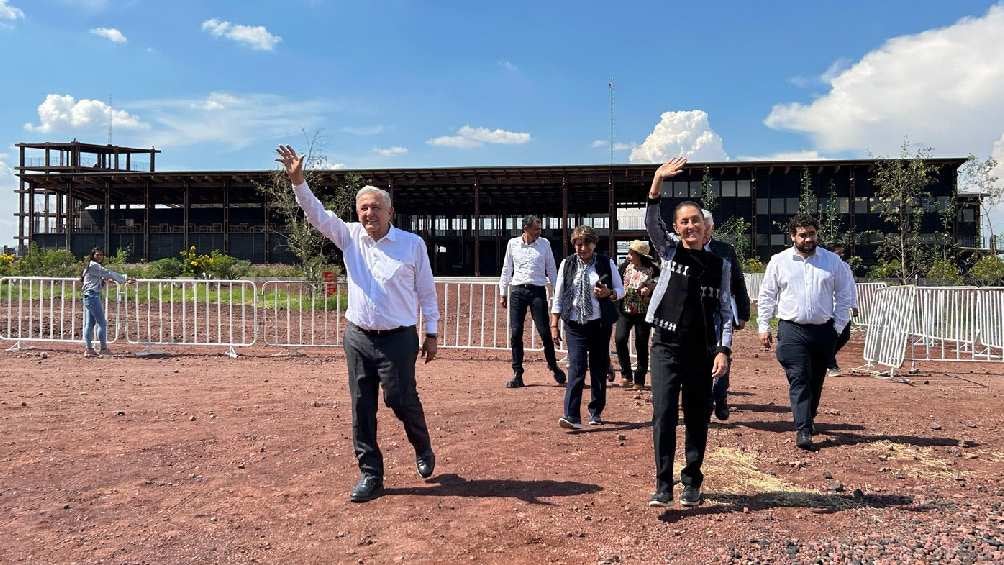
(387, 360)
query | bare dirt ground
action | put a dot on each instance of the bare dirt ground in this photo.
(197, 458)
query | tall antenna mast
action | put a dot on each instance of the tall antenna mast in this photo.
(111, 118)
(610, 89)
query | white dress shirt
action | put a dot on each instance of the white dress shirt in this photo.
(527, 264)
(388, 279)
(594, 277)
(806, 290)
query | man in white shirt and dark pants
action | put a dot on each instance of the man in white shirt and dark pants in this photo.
(528, 266)
(811, 291)
(389, 278)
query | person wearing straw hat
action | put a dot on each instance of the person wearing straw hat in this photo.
(390, 279)
(639, 273)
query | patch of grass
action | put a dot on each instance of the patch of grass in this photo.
(917, 462)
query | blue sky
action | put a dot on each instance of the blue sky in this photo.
(216, 85)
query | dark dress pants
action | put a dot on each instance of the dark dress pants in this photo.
(642, 331)
(588, 346)
(680, 364)
(842, 340)
(534, 298)
(387, 360)
(805, 351)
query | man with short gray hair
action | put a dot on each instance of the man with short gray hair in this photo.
(528, 266)
(389, 278)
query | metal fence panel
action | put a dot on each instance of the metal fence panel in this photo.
(50, 309)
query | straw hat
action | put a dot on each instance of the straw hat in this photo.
(639, 246)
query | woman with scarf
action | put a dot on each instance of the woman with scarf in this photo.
(587, 288)
(691, 314)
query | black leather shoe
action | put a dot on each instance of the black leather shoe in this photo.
(516, 381)
(426, 464)
(803, 439)
(368, 488)
(722, 410)
(559, 375)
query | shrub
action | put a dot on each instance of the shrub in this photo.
(753, 265)
(166, 268)
(889, 270)
(944, 272)
(988, 271)
(47, 263)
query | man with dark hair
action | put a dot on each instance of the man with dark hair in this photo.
(811, 291)
(740, 300)
(528, 266)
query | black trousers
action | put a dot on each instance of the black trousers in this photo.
(588, 346)
(642, 331)
(842, 340)
(805, 351)
(680, 364)
(387, 360)
(534, 298)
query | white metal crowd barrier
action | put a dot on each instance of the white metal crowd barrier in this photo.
(302, 314)
(935, 324)
(868, 295)
(50, 310)
(753, 282)
(957, 324)
(191, 312)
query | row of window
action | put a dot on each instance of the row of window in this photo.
(693, 189)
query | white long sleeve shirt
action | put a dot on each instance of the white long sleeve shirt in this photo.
(95, 275)
(594, 277)
(525, 263)
(806, 290)
(389, 280)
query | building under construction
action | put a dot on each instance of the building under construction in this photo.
(79, 196)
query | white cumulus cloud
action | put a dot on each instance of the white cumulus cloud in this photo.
(109, 33)
(686, 133)
(64, 113)
(468, 137)
(255, 37)
(9, 13)
(618, 145)
(394, 151)
(942, 87)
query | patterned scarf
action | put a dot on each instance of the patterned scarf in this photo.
(584, 290)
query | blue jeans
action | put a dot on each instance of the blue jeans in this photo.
(94, 313)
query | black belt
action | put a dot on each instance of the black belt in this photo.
(529, 286)
(824, 324)
(378, 333)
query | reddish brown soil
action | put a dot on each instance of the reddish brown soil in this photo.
(197, 458)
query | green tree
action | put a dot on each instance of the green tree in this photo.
(978, 177)
(900, 186)
(303, 240)
(988, 271)
(944, 272)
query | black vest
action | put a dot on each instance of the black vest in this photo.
(691, 272)
(608, 308)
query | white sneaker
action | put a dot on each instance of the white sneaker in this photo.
(568, 424)
(833, 372)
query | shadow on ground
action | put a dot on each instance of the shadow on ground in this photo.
(720, 503)
(527, 491)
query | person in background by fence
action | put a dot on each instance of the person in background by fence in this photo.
(692, 318)
(92, 282)
(390, 278)
(528, 266)
(740, 301)
(585, 298)
(811, 291)
(639, 274)
(834, 369)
